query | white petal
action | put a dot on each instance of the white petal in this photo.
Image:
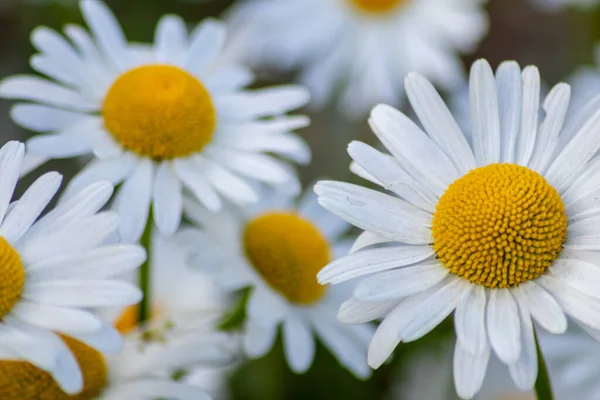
(556, 106)
(469, 321)
(258, 340)
(74, 293)
(372, 260)
(41, 118)
(367, 239)
(529, 115)
(263, 102)
(143, 389)
(30, 206)
(11, 159)
(575, 154)
(192, 176)
(299, 345)
(400, 283)
(57, 319)
(113, 170)
(542, 306)
(354, 311)
(422, 158)
(386, 338)
(106, 340)
(107, 32)
(503, 324)
(100, 263)
(170, 39)
(438, 122)
(167, 200)
(59, 145)
(231, 186)
(43, 91)
(229, 79)
(469, 371)
(524, 371)
(205, 45)
(509, 87)
(133, 201)
(391, 176)
(379, 213)
(485, 119)
(55, 49)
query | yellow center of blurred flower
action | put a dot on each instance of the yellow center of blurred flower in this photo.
(129, 319)
(13, 277)
(20, 380)
(376, 6)
(159, 111)
(288, 251)
(499, 226)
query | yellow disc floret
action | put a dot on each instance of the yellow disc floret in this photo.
(499, 226)
(376, 6)
(288, 251)
(159, 111)
(20, 380)
(13, 277)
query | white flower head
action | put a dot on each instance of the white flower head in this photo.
(158, 119)
(140, 372)
(276, 249)
(365, 47)
(53, 271)
(501, 232)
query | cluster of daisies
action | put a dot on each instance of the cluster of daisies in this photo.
(189, 200)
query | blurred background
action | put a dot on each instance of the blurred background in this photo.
(557, 42)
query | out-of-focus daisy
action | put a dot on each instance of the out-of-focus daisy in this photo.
(501, 232)
(179, 295)
(276, 248)
(365, 47)
(157, 120)
(554, 5)
(585, 82)
(54, 270)
(135, 374)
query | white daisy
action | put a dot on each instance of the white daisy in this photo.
(276, 249)
(366, 46)
(500, 232)
(55, 269)
(158, 120)
(181, 294)
(135, 374)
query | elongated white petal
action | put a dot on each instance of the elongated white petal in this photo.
(299, 345)
(469, 320)
(485, 119)
(58, 319)
(529, 115)
(469, 371)
(11, 159)
(205, 44)
(542, 307)
(509, 87)
(82, 293)
(167, 200)
(503, 324)
(355, 311)
(524, 371)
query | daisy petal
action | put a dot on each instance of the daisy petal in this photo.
(529, 115)
(503, 325)
(299, 345)
(170, 39)
(133, 201)
(58, 319)
(11, 159)
(469, 321)
(367, 239)
(372, 260)
(355, 311)
(524, 371)
(485, 120)
(205, 44)
(469, 371)
(167, 199)
(83, 293)
(509, 86)
(192, 177)
(542, 307)
(439, 122)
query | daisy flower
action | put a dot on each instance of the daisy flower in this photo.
(364, 46)
(181, 294)
(54, 270)
(156, 119)
(276, 249)
(502, 232)
(134, 374)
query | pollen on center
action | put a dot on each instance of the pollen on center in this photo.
(287, 251)
(24, 381)
(499, 226)
(376, 6)
(13, 277)
(159, 111)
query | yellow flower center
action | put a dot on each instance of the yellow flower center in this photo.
(499, 226)
(20, 380)
(288, 251)
(13, 277)
(376, 6)
(159, 111)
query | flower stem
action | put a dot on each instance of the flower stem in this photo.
(235, 319)
(145, 276)
(543, 388)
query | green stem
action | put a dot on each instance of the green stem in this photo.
(237, 316)
(543, 388)
(145, 284)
